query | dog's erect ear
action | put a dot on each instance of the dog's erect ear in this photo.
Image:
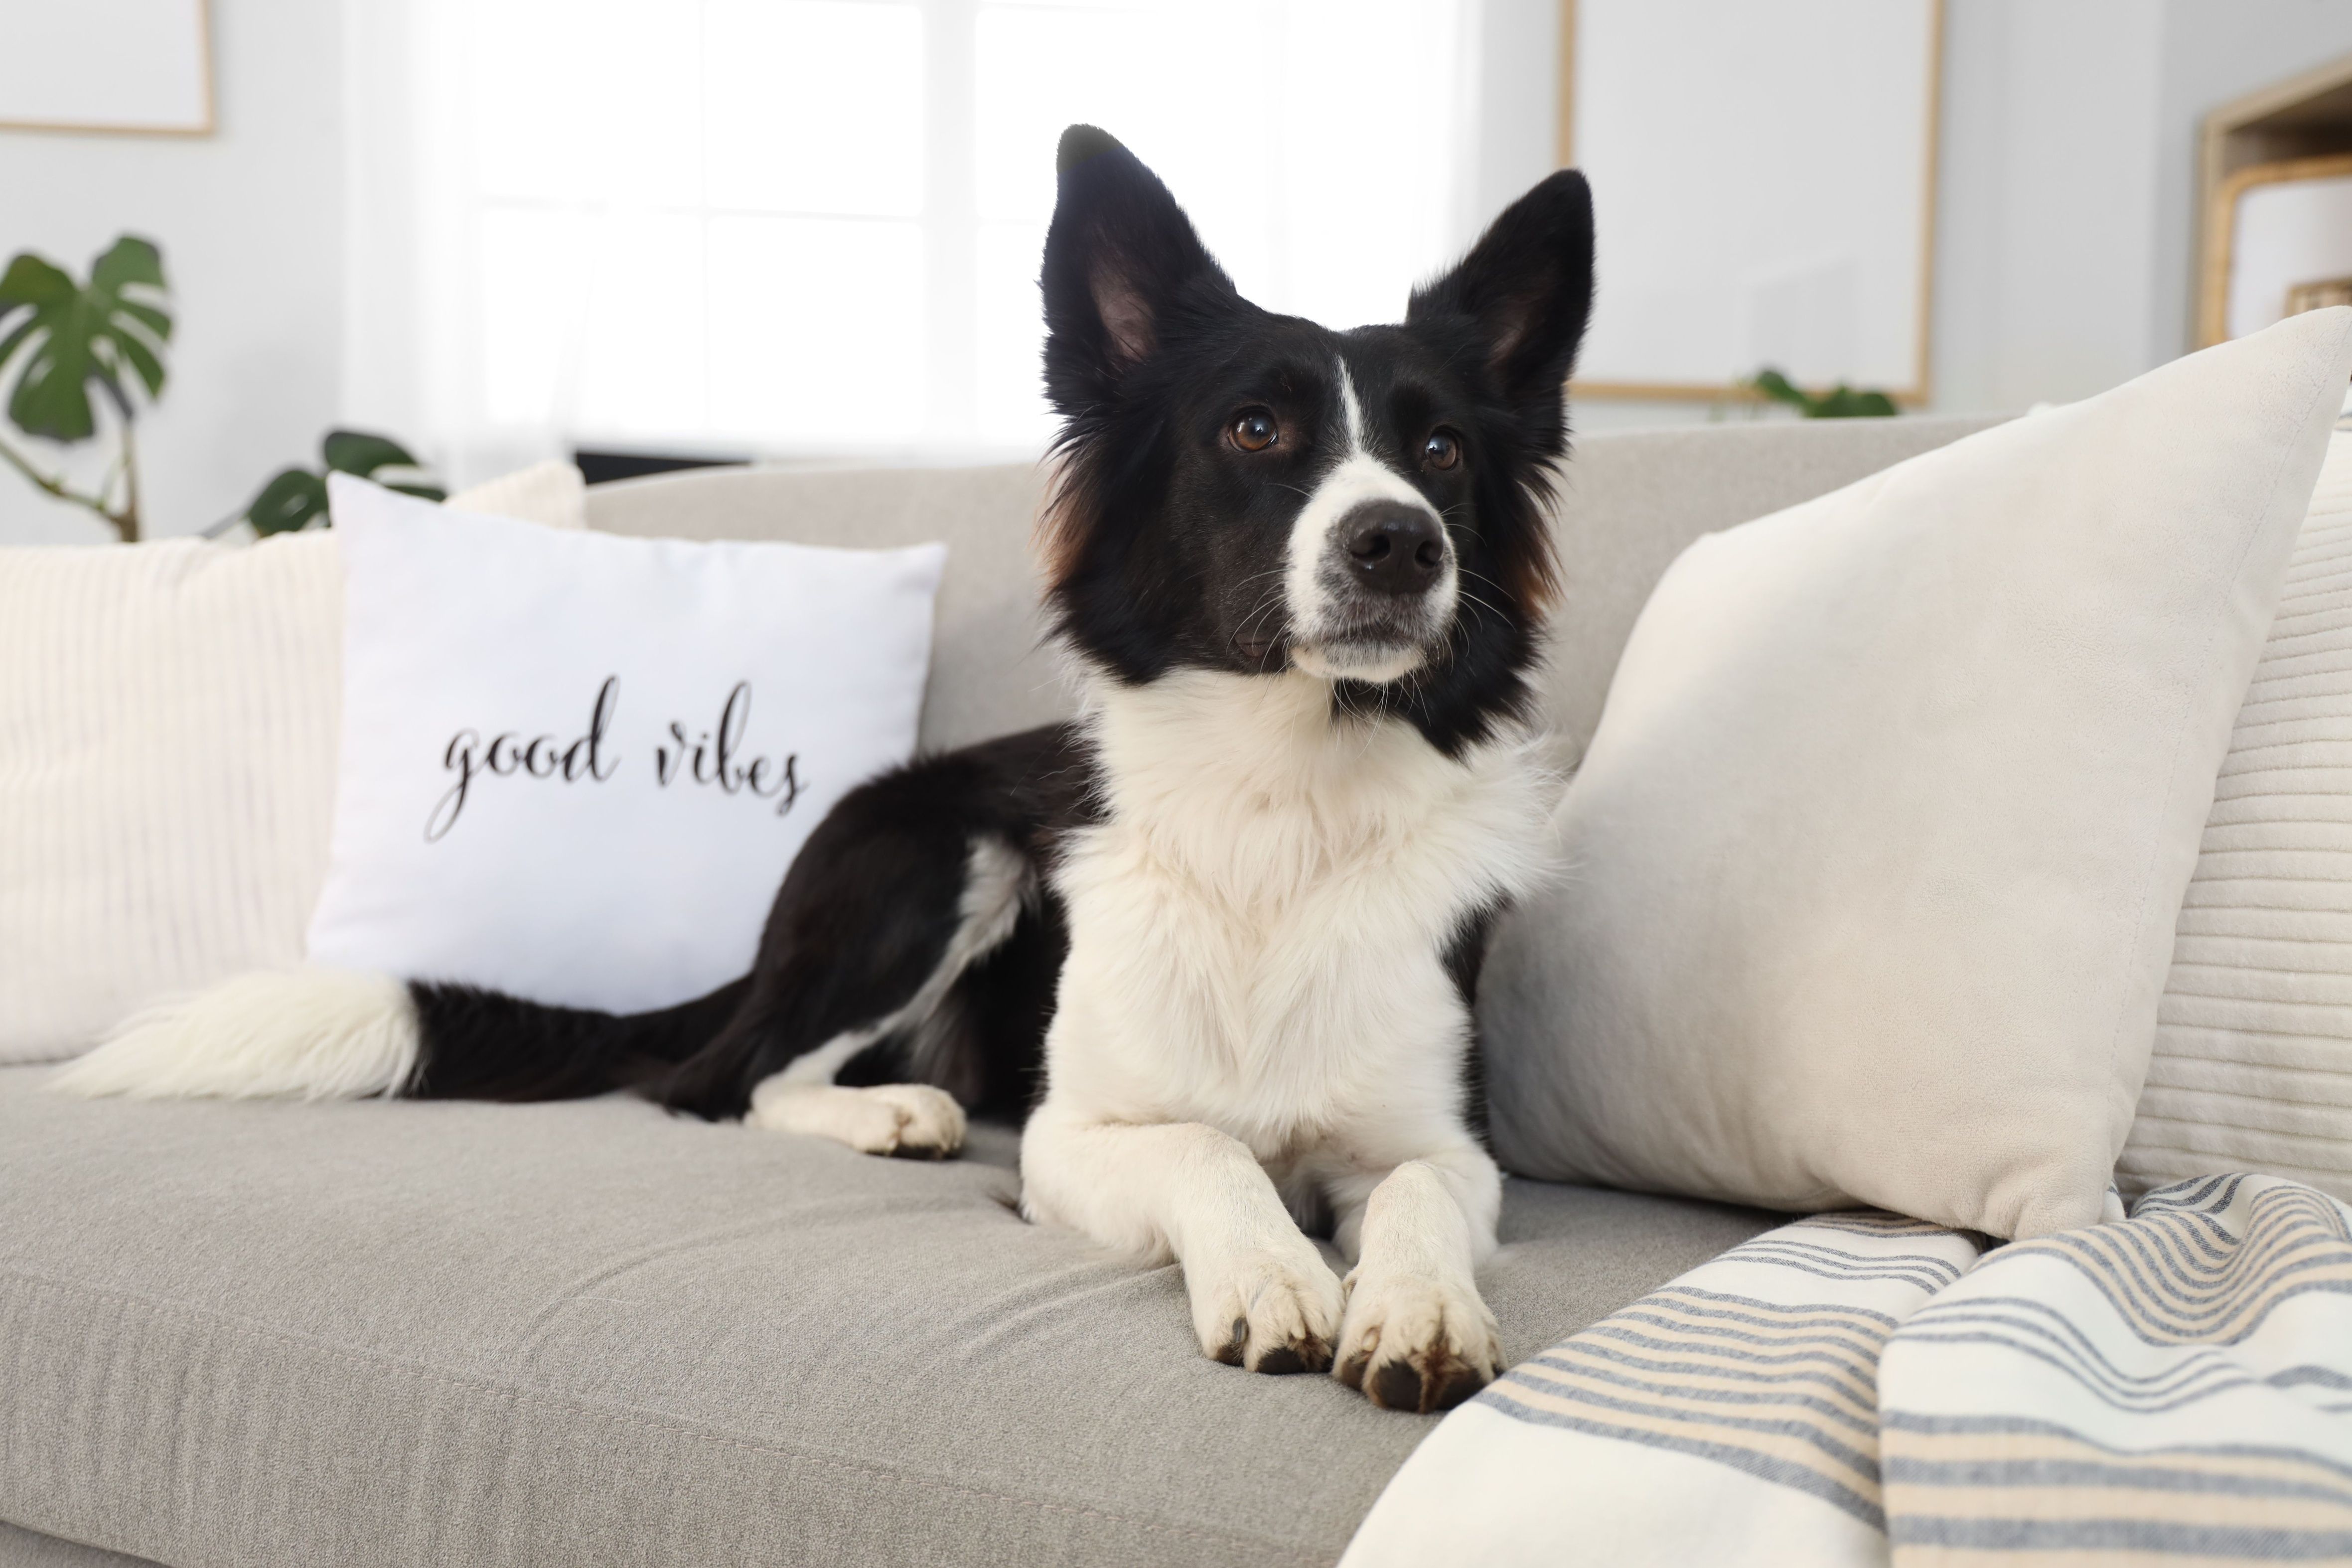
(1525, 290)
(1123, 269)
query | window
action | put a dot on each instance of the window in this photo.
(813, 226)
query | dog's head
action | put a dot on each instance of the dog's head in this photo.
(1254, 492)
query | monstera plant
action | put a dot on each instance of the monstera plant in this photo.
(69, 349)
(73, 344)
(298, 497)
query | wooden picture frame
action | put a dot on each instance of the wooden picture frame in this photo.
(138, 68)
(1910, 390)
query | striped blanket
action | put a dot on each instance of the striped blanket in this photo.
(2172, 1388)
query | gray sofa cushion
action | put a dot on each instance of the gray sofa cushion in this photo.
(30, 1548)
(580, 1334)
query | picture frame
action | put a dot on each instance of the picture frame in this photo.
(112, 67)
(1833, 277)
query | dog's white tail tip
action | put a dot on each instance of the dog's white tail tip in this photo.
(310, 1034)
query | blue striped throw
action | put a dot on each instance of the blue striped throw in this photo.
(1855, 1388)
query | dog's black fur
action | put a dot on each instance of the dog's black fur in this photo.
(1158, 546)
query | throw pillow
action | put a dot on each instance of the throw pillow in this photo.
(574, 765)
(2252, 1065)
(168, 714)
(552, 493)
(1873, 860)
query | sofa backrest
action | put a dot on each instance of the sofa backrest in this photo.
(1630, 503)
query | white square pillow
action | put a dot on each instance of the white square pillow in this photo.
(1874, 861)
(2253, 1064)
(169, 715)
(574, 765)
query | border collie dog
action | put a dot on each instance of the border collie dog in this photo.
(1236, 911)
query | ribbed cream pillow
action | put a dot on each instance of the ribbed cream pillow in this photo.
(1873, 863)
(168, 719)
(2252, 1066)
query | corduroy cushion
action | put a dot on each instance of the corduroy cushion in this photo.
(169, 715)
(2252, 1065)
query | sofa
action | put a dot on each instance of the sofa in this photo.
(372, 1333)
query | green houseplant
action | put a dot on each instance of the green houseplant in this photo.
(78, 348)
(1840, 401)
(296, 497)
(70, 339)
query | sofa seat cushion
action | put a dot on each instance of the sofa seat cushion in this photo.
(372, 1333)
(31, 1549)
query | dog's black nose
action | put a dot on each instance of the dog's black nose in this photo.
(1393, 548)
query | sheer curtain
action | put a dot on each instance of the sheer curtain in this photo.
(811, 228)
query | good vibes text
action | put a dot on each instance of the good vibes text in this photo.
(711, 758)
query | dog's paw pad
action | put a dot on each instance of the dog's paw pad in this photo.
(1417, 1345)
(1290, 1358)
(1267, 1311)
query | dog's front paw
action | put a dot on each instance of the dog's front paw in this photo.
(1271, 1309)
(1411, 1342)
(913, 1121)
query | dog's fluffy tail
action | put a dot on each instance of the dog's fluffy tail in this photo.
(312, 1034)
(335, 1034)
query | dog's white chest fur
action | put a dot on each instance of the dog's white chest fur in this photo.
(1259, 930)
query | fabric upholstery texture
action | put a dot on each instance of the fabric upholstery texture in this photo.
(2252, 1065)
(168, 714)
(1872, 867)
(31, 1549)
(369, 1332)
(1630, 501)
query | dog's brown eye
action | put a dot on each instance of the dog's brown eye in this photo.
(1442, 450)
(1254, 429)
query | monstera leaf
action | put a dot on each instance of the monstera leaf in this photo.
(298, 497)
(101, 335)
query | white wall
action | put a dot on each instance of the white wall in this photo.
(249, 221)
(2047, 213)
(2216, 50)
(1516, 95)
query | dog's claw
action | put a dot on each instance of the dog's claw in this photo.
(1267, 1311)
(1418, 1345)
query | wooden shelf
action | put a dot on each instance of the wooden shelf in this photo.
(2303, 118)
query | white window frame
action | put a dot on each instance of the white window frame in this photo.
(412, 357)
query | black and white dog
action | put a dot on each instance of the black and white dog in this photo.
(1236, 911)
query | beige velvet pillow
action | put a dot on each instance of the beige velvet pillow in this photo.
(1872, 867)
